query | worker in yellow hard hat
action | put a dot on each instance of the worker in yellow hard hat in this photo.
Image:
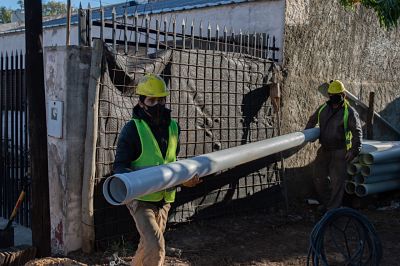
(340, 139)
(150, 138)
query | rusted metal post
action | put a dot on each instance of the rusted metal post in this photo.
(136, 32)
(192, 35)
(174, 32)
(114, 28)
(125, 32)
(82, 26)
(68, 23)
(89, 25)
(102, 23)
(157, 35)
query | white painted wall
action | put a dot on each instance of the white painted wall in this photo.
(263, 16)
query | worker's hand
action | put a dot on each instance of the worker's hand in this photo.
(192, 182)
(349, 156)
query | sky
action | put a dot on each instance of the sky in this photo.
(93, 3)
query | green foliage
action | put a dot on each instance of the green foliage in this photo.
(388, 11)
(5, 15)
(52, 8)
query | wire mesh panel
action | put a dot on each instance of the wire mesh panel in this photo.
(220, 100)
(219, 94)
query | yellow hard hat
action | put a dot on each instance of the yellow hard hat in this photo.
(152, 85)
(336, 87)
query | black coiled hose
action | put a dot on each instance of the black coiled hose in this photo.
(365, 247)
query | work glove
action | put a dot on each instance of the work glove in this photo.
(192, 182)
(350, 155)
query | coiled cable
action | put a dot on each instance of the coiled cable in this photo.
(360, 246)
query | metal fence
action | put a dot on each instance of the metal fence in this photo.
(134, 33)
(14, 160)
(219, 95)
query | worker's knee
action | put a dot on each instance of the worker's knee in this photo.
(156, 245)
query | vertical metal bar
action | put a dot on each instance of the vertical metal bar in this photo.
(233, 40)
(89, 25)
(192, 36)
(240, 41)
(82, 26)
(125, 33)
(158, 35)
(165, 34)
(274, 48)
(102, 23)
(262, 45)
(12, 113)
(201, 35)
(209, 36)
(147, 22)
(225, 39)
(2, 166)
(174, 32)
(6, 135)
(216, 43)
(183, 36)
(248, 42)
(136, 32)
(255, 44)
(267, 46)
(19, 134)
(114, 28)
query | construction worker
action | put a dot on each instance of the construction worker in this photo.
(340, 139)
(150, 138)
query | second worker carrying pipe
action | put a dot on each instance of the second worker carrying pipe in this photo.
(340, 139)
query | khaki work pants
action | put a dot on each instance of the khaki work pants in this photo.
(332, 164)
(150, 222)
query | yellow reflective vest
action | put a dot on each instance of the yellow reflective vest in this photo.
(151, 156)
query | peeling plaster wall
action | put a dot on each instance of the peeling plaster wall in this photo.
(323, 41)
(67, 71)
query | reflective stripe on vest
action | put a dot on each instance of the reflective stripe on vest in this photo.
(347, 133)
(151, 156)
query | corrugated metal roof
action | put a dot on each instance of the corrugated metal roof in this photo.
(141, 9)
(150, 8)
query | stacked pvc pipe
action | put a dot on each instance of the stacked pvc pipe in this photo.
(375, 170)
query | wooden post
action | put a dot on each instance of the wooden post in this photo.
(68, 22)
(37, 127)
(370, 116)
(88, 235)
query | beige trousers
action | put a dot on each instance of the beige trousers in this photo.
(150, 222)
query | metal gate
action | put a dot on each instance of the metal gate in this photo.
(14, 160)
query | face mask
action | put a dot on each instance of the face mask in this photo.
(156, 112)
(336, 98)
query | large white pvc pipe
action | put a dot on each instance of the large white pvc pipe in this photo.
(121, 188)
(381, 169)
(367, 189)
(377, 178)
(389, 155)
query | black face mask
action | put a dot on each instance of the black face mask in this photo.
(156, 112)
(336, 98)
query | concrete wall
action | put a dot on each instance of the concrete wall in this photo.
(66, 79)
(324, 42)
(55, 36)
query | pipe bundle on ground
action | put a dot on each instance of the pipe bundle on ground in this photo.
(376, 169)
(121, 188)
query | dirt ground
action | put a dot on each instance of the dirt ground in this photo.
(266, 238)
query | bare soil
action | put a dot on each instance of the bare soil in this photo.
(272, 238)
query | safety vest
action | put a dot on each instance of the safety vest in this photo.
(347, 133)
(151, 156)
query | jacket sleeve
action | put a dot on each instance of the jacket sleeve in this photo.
(356, 131)
(128, 149)
(313, 120)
